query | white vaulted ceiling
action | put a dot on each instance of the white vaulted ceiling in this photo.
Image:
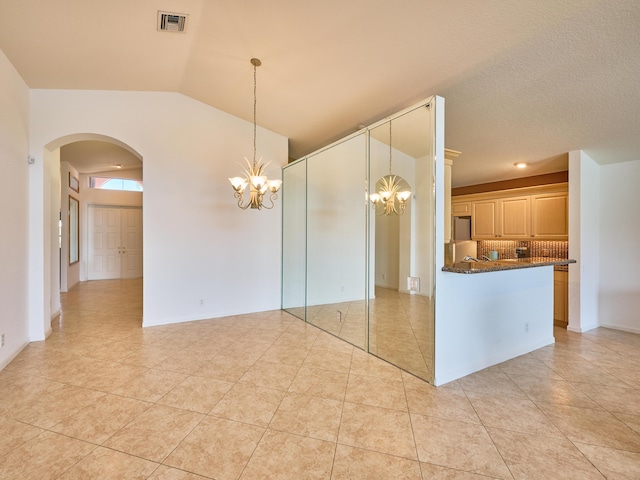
(523, 81)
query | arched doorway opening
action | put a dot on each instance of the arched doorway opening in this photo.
(88, 221)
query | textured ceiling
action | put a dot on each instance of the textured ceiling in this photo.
(522, 81)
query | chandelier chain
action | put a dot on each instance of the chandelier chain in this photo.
(390, 147)
(255, 102)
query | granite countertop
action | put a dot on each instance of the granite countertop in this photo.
(506, 264)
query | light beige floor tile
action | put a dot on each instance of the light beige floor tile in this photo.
(449, 403)
(197, 394)
(262, 335)
(585, 372)
(54, 406)
(378, 429)
(96, 422)
(614, 464)
(595, 427)
(101, 321)
(614, 399)
(246, 349)
(631, 421)
(436, 472)
(154, 433)
(629, 374)
(107, 464)
(217, 448)
(147, 356)
(528, 365)
(110, 376)
(151, 385)
(327, 360)
(287, 355)
(325, 341)
(320, 383)
(14, 433)
(270, 375)
(186, 362)
(290, 457)
(309, 416)
(249, 404)
(493, 382)
(355, 463)
(366, 364)
(168, 473)
(44, 457)
(226, 368)
(559, 392)
(457, 445)
(510, 413)
(376, 391)
(531, 456)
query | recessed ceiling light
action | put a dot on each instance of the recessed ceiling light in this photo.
(118, 165)
(520, 165)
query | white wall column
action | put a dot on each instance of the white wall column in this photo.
(584, 241)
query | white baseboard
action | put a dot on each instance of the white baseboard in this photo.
(620, 328)
(12, 355)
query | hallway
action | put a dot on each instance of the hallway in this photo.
(267, 396)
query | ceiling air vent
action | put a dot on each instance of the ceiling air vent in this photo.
(172, 22)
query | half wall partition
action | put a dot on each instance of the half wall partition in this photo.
(367, 278)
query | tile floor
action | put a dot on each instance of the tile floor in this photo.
(400, 327)
(266, 396)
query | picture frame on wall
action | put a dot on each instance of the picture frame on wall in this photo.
(74, 184)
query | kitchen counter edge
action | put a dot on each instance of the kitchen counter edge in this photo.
(500, 265)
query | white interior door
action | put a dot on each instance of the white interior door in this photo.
(115, 242)
(131, 235)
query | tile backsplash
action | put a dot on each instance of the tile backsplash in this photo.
(507, 248)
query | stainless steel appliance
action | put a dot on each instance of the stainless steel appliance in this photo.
(462, 244)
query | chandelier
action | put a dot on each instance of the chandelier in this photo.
(392, 191)
(255, 172)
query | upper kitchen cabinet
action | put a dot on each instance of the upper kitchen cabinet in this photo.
(484, 219)
(461, 209)
(501, 218)
(538, 213)
(515, 217)
(549, 216)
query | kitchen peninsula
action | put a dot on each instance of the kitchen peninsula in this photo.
(490, 312)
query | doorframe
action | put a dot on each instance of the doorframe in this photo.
(86, 243)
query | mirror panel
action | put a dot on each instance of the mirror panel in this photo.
(74, 230)
(294, 238)
(347, 269)
(336, 240)
(401, 321)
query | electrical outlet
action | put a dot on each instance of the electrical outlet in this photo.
(202, 301)
(526, 326)
(1, 339)
(338, 316)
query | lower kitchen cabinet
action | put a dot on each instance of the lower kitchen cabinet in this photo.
(560, 298)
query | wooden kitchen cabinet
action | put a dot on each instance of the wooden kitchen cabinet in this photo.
(501, 218)
(528, 213)
(549, 216)
(461, 209)
(514, 216)
(560, 298)
(484, 219)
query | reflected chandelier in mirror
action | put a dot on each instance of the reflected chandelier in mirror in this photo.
(392, 191)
